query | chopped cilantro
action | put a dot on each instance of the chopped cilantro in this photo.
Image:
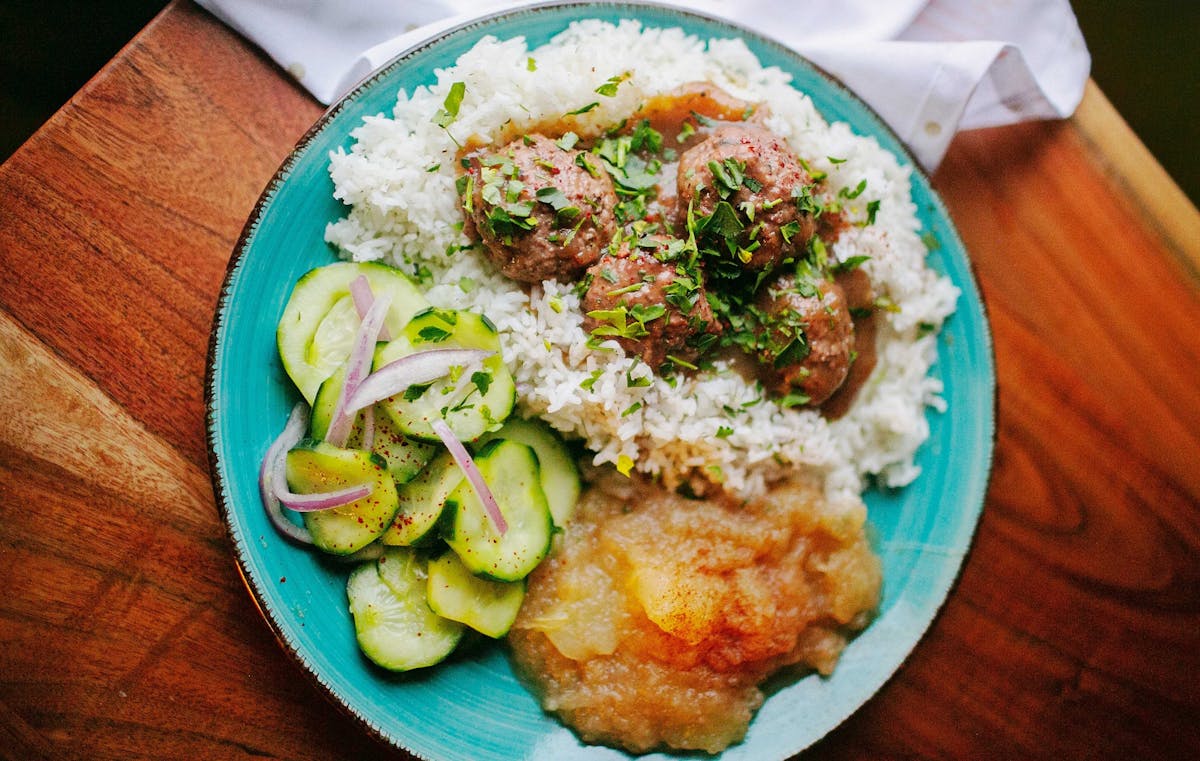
(564, 213)
(587, 383)
(450, 106)
(584, 109)
(681, 362)
(416, 391)
(433, 334)
(567, 141)
(609, 88)
(627, 289)
(852, 194)
(794, 399)
(482, 380)
(582, 160)
(850, 263)
(872, 209)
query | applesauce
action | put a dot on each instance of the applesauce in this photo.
(656, 617)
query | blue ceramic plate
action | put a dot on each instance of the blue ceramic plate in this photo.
(473, 707)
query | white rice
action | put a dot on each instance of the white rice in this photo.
(399, 178)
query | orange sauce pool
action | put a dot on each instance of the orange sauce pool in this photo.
(656, 617)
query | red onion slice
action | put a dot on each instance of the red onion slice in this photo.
(471, 471)
(326, 500)
(272, 482)
(413, 369)
(358, 366)
(360, 290)
(292, 432)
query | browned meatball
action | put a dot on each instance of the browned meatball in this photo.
(654, 309)
(766, 188)
(808, 338)
(539, 215)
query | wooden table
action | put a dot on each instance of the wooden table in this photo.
(126, 632)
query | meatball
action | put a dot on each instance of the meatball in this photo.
(807, 338)
(764, 185)
(651, 302)
(539, 215)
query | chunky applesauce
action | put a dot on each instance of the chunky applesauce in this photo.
(656, 617)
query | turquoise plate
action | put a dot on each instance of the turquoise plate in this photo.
(473, 707)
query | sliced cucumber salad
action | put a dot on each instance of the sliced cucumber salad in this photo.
(443, 500)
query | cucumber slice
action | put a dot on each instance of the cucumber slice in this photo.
(510, 470)
(470, 405)
(422, 501)
(392, 621)
(559, 471)
(405, 457)
(319, 321)
(317, 466)
(489, 607)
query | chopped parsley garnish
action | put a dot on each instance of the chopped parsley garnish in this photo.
(609, 88)
(646, 138)
(851, 263)
(852, 194)
(625, 322)
(794, 399)
(450, 106)
(432, 334)
(565, 213)
(627, 289)
(584, 109)
(416, 391)
(639, 382)
(567, 141)
(676, 361)
(872, 209)
(590, 381)
(805, 201)
(482, 380)
(508, 214)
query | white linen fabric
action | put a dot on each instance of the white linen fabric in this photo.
(928, 67)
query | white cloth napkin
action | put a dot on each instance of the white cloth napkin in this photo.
(928, 67)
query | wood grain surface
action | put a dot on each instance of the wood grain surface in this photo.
(126, 631)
